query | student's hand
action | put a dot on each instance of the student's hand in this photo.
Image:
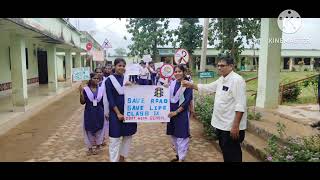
(187, 84)
(81, 88)
(172, 114)
(106, 116)
(120, 117)
(234, 132)
(128, 83)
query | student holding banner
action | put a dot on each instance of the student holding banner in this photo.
(120, 133)
(178, 127)
(93, 123)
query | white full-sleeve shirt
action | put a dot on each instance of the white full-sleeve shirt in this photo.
(144, 72)
(230, 97)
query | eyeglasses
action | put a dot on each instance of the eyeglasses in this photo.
(221, 65)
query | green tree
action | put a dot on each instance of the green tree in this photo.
(120, 51)
(227, 34)
(252, 34)
(147, 35)
(188, 35)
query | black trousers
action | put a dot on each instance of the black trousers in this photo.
(231, 149)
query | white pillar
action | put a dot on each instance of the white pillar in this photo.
(68, 67)
(18, 73)
(311, 64)
(269, 69)
(290, 63)
(91, 65)
(52, 69)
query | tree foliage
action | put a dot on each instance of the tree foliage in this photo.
(147, 35)
(228, 34)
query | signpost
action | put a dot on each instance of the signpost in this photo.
(206, 75)
(89, 46)
(166, 71)
(181, 56)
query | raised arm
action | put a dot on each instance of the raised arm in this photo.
(208, 88)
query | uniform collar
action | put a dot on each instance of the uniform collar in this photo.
(225, 79)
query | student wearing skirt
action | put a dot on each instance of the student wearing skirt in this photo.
(178, 127)
(93, 121)
(120, 133)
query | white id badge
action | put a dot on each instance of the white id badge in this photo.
(95, 102)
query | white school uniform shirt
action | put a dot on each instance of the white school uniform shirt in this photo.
(105, 98)
(230, 97)
(144, 73)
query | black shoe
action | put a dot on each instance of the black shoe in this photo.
(176, 159)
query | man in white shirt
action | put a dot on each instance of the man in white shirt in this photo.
(229, 115)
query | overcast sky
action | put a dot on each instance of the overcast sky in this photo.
(114, 30)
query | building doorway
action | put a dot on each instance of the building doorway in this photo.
(42, 67)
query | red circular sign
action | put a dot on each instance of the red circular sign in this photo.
(89, 46)
(181, 56)
(166, 71)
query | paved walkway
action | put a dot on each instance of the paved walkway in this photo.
(55, 134)
(150, 144)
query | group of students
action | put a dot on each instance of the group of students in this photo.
(103, 97)
(149, 75)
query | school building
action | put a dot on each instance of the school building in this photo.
(36, 60)
(290, 58)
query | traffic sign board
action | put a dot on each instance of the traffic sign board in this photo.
(166, 71)
(206, 74)
(181, 56)
(89, 46)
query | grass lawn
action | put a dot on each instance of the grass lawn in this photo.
(307, 95)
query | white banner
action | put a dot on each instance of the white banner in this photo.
(147, 58)
(81, 74)
(133, 69)
(97, 55)
(158, 65)
(146, 103)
